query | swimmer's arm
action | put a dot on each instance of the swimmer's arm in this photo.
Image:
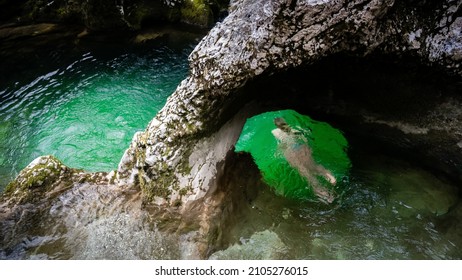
(300, 135)
(305, 133)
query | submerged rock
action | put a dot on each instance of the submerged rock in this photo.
(54, 212)
(256, 40)
(422, 197)
(265, 245)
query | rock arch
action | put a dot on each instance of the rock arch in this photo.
(181, 162)
(176, 157)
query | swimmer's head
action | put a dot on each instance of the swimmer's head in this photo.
(281, 124)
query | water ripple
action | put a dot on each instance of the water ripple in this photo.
(71, 112)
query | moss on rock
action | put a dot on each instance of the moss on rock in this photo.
(40, 175)
(196, 12)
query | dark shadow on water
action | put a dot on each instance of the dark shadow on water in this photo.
(402, 199)
(390, 209)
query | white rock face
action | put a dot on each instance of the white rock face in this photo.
(183, 144)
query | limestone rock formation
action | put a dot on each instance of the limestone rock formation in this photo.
(53, 211)
(178, 162)
(176, 157)
(264, 245)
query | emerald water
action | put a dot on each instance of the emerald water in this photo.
(390, 209)
(85, 112)
(301, 161)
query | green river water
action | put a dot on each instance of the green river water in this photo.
(86, 111)
(327, 146)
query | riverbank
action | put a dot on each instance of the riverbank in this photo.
(40, 46)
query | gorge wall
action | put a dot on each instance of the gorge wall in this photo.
(180, 160)
(177, 155)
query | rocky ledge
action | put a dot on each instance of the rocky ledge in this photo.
(182, 163)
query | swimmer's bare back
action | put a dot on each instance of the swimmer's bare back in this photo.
(299, 156)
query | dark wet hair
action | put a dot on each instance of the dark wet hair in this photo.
(282, 124)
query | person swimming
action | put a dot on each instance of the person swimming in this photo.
(294, 146)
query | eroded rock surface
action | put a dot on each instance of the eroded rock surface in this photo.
(264, 37)
(265, 245)
(54, 212)
(260, 38)
(177, 160)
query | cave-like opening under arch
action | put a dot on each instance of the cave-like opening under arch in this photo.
(384, 105)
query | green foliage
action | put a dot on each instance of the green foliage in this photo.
(196, 12)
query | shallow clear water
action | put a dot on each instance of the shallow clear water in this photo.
(390, 210)
(86, 112)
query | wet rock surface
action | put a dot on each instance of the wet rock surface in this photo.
(77, 215)
(177, 161)
(257, 40)
(265, 245)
